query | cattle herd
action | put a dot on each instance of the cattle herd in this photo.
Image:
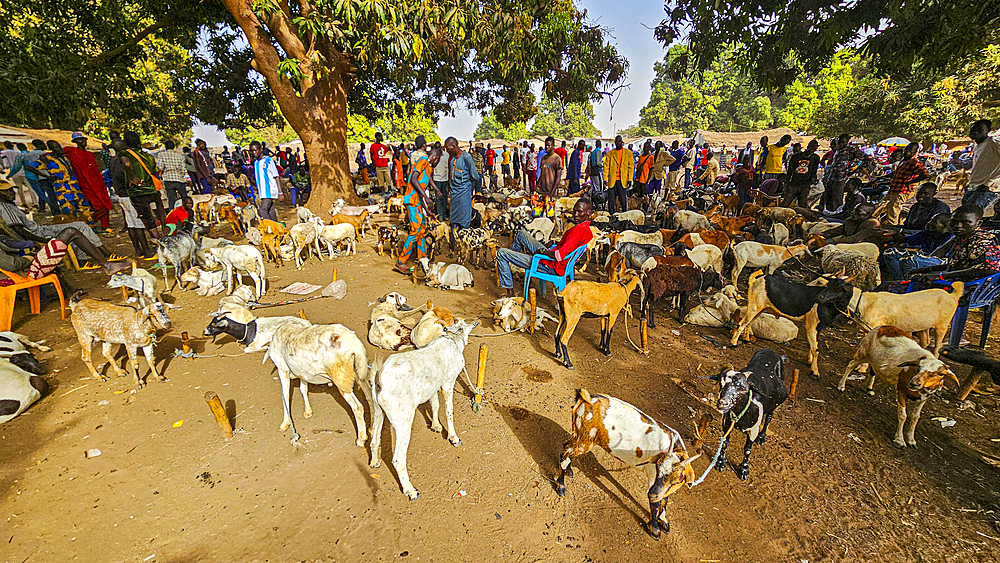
(685, 246)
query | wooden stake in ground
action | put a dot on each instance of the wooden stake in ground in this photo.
(302, 313)
(795, 383)
(531, 311)
(478, 402)
(644, 336)
(220, 414)
(185, 339)
(334, 276)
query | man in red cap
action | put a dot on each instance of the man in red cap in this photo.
(89, 177)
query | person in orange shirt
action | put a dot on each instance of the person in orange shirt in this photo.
(397, 169)
(642, 169)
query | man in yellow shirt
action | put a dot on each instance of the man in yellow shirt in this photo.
(505, 163)
(619, 169)
(774, 164)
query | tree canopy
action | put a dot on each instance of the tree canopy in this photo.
(780, 40)
(564, 120)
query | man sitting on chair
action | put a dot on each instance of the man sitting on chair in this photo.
(524, 247)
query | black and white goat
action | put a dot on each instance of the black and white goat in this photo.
(747, 399)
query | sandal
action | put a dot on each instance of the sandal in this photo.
(90, 266)
(116, 257)
(403, 269)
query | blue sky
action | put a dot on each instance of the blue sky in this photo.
(630, 26)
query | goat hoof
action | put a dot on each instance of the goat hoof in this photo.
(568, 365)
(871, 392)
(911, 443)
(721, 464)
(743, 471)
(436, 428)
(308, 413)
(813, 375)
(760, 439)
(560, 489)
(899, 444)
(414, 495)
(284, 426)
(375, 463)
(455, 442)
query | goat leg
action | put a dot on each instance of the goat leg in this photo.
(743, 471)
(565, 354)
(607, 340)
(648, 308)
(147, 351)
(657, 504)
(762, 436)
(720, 464)
(565, 466)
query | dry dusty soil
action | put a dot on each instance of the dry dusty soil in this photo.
(827, 486)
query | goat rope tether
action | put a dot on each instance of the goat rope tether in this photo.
(722, 440)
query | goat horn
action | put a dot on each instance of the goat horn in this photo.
(688, 461)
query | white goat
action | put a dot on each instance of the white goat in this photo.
(332, 235)
(305, 236)
(706, 256)
(208, 282)
(690, 221)
(447, 276)
(237, 259)
(431, 325)
(409, 379)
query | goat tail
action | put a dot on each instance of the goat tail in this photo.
(584, 396)
(957, 288)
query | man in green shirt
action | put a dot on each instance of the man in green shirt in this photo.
(139, 166)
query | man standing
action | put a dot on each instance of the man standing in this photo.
(463, 174)
(550, 172)
(802, 167)
(833, 189)
(204, 168)
(985, 157)
(574, 168)
(524, 247)
(619, 168)
(661, 160)
(417, 204)
(490, 156)
(711, 171)
(380, 158)
(89, 177)
(523, 157)
(139, 166)
(505, 163)
(744, 152)
(908, 173)
(743, 180)
(265, 173)
(688, 162)
(515, 160)
(362, 163)
(227, 158)
(170, 163)
(562, 152)
(441, 182)
(530, 166)
(774, 162)
(597, 168)
(674, 170)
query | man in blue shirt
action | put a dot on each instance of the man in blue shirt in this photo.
(597, 169)
(674, 169)
(573, 168)
(462, 175)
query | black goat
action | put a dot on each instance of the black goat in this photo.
(747, 399)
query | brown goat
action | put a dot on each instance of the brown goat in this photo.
(605, 300)
(358, 221)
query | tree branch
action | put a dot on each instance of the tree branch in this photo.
(107, 56)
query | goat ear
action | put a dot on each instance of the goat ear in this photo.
(909, 364)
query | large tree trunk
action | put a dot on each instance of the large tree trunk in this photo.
(318, 112)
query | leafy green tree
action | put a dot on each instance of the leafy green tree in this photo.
(400, 123)
(271, 134)
(564, 120)
(490, 128)
(896, 36)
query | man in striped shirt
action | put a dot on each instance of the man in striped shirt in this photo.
(173, 172)
(266, 176)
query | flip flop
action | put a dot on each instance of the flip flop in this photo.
(153, 257)
(403, 269)
(116, 257)
(90, 266)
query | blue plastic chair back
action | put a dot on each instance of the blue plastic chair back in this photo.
(558, 281)
(982, 293)
(986, 291)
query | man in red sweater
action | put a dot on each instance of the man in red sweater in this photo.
(88, 175)
(380, 157)
(562, 152)
(524, 247)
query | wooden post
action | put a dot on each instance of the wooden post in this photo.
(795, 383)
(124, 294)
(644, 335)
(184, 343)
(334, 275)
(531, 311)
(302, 313)
(220, 414)
(481, 376)
(429, 305)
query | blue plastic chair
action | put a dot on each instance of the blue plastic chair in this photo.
(981, 294)
(559, 282)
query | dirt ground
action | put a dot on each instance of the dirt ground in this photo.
(827, 486)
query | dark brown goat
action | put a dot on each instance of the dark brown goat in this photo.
(674, 281)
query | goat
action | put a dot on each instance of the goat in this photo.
(254, 333)
(757, 255)
(204, 243)
(386, 331)
(892, 354)
(305, 215)
(540, 228)
(747, 400)
(229, 215)
(141, 281)
(431, 325)
(605, 300)
(387, 237)
(14, 348)
(635, 215)
(408, 379)
(331, 235)
(635, 438)
(305, 236)
(254, 236)
(208, 282)
(706, 257)
(636, 254)
(732, 226)
(863, 268)
(247, 214)
(673, 281)
(447, 276)
(242, 296)
(690, 221)
(819, 307)
(359, 221)
(472, 243)
(118, 324)
(716, 311)
(510, 314)
(321, 355)
(912, 312)
(19, 388)
(817, 242)
(176, 249)
(235, 259)
(718, 239)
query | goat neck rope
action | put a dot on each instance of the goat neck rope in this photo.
(249, 332)
(853, 315)
(725, 436)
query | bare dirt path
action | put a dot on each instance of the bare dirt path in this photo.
(827, 486)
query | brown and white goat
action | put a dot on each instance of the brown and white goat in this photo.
(112, 324)
(605, 300)
(893, 355)
(635, 438)
(911, 312)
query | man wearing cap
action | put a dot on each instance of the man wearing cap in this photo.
(417, 203)
(380, 158)
(89, 178)
(55, 238)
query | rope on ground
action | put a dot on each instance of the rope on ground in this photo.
(475, 389)
(628, 313)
